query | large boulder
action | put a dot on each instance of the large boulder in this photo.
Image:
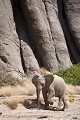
(40, 34)
(29, 62)
(10, 58)
(46, 33)
(72, 49)
(72, 12)
(61, 50)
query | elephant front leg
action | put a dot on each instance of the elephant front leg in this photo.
(59, 104)
(45, 98)
(51, 94)
(64, 102)
(38, 98)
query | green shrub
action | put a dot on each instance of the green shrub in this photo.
(6, 79)
(70, 75)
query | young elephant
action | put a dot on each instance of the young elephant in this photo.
(51, 85)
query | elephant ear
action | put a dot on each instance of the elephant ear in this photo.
(34, 80)
(49, 79)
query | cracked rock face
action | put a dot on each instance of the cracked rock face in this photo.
(72, 12)
(10, 58)
(38, 33)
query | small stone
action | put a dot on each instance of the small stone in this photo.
(74, 117)
(0, 113)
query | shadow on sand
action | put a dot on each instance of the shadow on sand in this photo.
(31, 104)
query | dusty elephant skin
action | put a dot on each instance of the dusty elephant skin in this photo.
(51, 85)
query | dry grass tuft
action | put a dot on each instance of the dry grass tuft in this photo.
(44, 71)
(71, 98)
(7, 91)
(77, 90)
(13, 104)
(27, 89)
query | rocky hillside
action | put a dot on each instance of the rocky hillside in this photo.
(39, 33)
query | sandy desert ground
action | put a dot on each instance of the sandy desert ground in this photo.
(22, 112)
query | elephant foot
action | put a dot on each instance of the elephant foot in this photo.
(45, 107)
(49, 108)
(66, 106)
(59, 107)
(38, 106)
(50, 102)
(47, 104)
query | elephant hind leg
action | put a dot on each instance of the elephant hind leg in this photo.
(59, 104)
(47, 97)
(51, 94)
(62, 98)
(64, 102)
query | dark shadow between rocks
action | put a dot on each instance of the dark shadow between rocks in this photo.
(29, 62)
(20, 28)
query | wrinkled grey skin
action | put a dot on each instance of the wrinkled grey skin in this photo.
(51, 85)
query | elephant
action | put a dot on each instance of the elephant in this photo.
(51, 85)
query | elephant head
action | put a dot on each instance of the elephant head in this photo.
(41, 83)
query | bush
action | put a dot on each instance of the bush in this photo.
(70, 75)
